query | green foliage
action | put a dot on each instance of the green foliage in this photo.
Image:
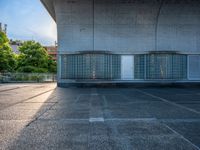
(31, 69)
(7, 57)
(3, 38)
(52, 66)
(33, 58)
(29, 77)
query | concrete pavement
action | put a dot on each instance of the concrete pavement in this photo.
(42, 116)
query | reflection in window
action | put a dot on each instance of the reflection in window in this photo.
(166, 66)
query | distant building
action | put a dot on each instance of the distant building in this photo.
(15, 49)
(15, 45)
(52, 51)
(3, 28)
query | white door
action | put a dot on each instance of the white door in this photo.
(127, 67)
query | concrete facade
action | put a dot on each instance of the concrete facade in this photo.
(127, 27)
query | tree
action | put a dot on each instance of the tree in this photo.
(33, 58)
(52, 67)
(7, 57)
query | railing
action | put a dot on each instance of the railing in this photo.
(27, 77)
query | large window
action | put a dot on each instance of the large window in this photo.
(90, 66)
(139, 62)
(161, 66)
(110, 66)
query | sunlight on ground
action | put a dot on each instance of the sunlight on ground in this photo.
(21, 114)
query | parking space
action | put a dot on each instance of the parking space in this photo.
(48, 117)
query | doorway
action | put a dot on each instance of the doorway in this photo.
(127, 67)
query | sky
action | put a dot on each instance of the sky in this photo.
(28, 20)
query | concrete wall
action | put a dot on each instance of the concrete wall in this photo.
(179, 26)
(75, 24)
(129, 26)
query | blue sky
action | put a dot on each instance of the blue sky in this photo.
(28, 20)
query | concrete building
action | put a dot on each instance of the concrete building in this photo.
(15, 48)
(3, 28)
(127, 40)
(52, 51)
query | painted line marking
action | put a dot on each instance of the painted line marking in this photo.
(99, 119)
(167, 101)
(182, 136)
(179, 120)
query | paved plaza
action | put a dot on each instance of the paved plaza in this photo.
(43, 116)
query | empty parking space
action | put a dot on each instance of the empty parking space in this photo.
(47, 117)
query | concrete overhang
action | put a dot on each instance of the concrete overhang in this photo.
(49, 5)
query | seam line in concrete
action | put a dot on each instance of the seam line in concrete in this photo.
(124, 141)
(70, 119)
(77, 98)
(36, 118)
(19, 87)
(95, 111)
(41, 102)
(88, 119)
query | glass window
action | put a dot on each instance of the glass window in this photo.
(166, 66)
(108, 66)
(139, 61)
(90, 66)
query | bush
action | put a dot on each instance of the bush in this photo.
(31, 69)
